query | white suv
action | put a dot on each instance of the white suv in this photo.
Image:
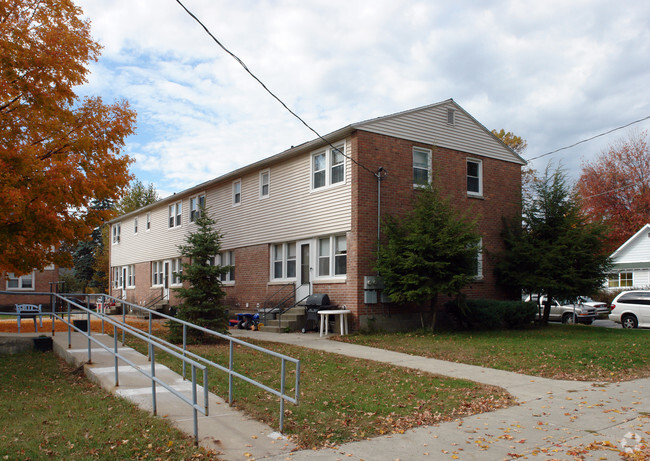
(631, 309)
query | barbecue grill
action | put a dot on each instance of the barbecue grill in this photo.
(313, 304)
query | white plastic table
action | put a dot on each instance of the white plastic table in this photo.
(325, 317)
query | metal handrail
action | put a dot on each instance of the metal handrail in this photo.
(230, 369)
(152, 345)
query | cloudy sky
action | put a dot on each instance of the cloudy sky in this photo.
(554, 72)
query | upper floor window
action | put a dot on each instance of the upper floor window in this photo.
(135, 225)
(117, 229)
(328, 167)
(175, 213)
(474, 177)
(196, 205)
(265, 179)
(24, 282)
(148, 221)
(236, 192)
(283, 257)
(332, 256)
(421, 167)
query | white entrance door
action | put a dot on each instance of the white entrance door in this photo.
(167, 273)
(305, 270)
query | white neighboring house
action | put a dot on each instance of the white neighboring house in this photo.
(632, 262)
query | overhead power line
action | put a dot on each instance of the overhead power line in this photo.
(589, 139)
(236, 58)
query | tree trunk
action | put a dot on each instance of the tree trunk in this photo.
(434, 312)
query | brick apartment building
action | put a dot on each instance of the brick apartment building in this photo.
(306, 220)
(21, 289)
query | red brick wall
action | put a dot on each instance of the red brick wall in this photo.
(42, 281)
(501, 197)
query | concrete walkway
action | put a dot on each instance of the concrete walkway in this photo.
(231, 434)
(555, 419)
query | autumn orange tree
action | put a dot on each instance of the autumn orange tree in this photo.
(57, 151)
(615, 188)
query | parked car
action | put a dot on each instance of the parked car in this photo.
(601, 308)
(566, 311)
(631, 309)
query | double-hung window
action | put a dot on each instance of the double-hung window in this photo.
(148, 226)
(328, 167)
(130, 274)
(117, 228)
(283, 257)
(236, 192)
(421, 167)
(157, 277)
(176, 269)
(478, 268)
(175, 213)
(23, 282)
(474, 177)
(196, 205)
(227, 258)
(265, 180)
(332, 256)
(135, 225)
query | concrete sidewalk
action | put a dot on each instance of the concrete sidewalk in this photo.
(230, 433)
(555, 419)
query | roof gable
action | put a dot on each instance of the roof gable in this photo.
(635, 249)
(430, 125)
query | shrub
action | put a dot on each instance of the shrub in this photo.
(489, 314)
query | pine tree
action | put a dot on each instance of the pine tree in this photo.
(202, 301)
(556, 250)
(431, 250)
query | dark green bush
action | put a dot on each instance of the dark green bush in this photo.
(490, 314)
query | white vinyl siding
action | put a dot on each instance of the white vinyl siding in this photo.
(292, 203)
(429, 125)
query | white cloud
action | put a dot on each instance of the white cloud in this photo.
(553, 72)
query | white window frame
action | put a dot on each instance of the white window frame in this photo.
(263, 183)
(428, 153)
(479, 177)
(175, 215)
(479, 261)
(611, 283)
(20, 281)
(330, 258)
(176, 269)
(130, 276)
(135, 225)
(157, 273)
(117, 271)
(328, 168)
(148, 225)
(117, 230)
(227, 258)
(284, 259)
(236, 192)
(196, 203)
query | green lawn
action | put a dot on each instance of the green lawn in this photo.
(50, 411)
(344, 399)
(575, 352)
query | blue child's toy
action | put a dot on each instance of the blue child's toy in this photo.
(248, 321)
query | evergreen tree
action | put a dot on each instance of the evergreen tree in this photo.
(431, 250)
(202, 301)
(554, 249)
